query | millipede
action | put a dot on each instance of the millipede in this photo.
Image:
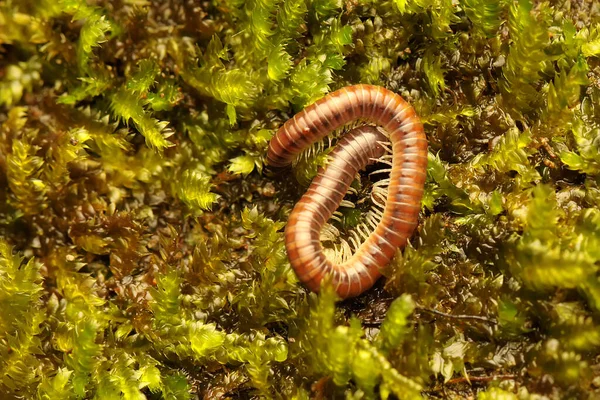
(396, 124)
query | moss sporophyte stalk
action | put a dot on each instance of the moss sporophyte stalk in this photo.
(142, 228)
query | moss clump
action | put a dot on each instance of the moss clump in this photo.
(141, 244)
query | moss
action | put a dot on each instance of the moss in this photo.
(141, 234)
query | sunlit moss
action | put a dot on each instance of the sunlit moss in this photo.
(142, 250)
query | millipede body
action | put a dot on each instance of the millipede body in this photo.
(404, 130)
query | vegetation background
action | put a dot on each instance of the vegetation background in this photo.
(141, 250)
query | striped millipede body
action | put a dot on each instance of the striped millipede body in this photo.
(404, 130)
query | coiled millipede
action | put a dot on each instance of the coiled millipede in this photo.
(399, 218)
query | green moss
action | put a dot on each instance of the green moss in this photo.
(142, 250)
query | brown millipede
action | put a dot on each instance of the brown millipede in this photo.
(407, 178)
